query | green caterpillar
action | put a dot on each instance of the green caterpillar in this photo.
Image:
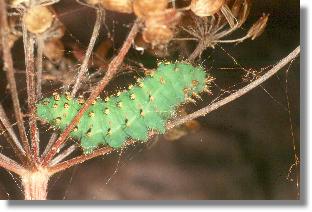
(129, 114)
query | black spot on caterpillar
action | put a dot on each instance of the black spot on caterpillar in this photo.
(128, 114)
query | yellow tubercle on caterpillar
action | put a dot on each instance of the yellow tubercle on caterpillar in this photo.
(68, 96)
(66, 105)
(81, 100)
(119, 104)
(106, 111)
(55, 106)
(141, 84)
(162, 80)
(91, 114)
(151, 98)
(56, 96)
(132, 96)
(58, 120)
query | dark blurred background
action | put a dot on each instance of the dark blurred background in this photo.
(243, 150)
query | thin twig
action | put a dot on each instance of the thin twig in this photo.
(63, 154)
(239, 93)
(85, 62)
(29, 44)
(79, 159)
(8, 65)
(49, 145)
(10, 165)
(11, 138)
(40, 46)
(112, 69)
(105, 150)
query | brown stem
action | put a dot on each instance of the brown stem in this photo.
(11, 165)
(239, 93)
(79, 159)
(201, 46)
(112, 69)
(85, 62)
(29, 44)
(35, 184)
(11, 137)
(105, 150)
(40, 45)
(8, 65)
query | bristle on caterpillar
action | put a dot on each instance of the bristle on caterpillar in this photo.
(130, 114)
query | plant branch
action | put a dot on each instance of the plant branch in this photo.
(29, 44)
(8, 65)
(204, 111)
(239, 93)
(79, 159)
(40, 45)
(11, 165)
(5, 125)
(85, 62)
(112, 69)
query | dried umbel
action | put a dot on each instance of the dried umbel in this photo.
(122, 6)
(145, 8)
(257, 28)
(53, 50)
(205, 8)
(240, 10)
(159, 27)
(38, 19)
(157, 34)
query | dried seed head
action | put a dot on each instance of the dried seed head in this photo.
(53, 50)
(204, 8)
(240, 10)
(159, 27)
(257, 28)
(38, 19)
(145, 8)
(122, 6)
(92, 2)
(157, 35)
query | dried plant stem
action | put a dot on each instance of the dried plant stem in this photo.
(49, 145)
(85, 62)
(29, 43)
(35, 184)
(8, 65)
(63, 154)
(204, 111)
(112, 69)
(11, 165)
(239, 93)
(5, 126)
(201, 46)
(40, 45)
(79, 159)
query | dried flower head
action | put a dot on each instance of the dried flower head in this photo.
(38, 19)
(204, 8)
(159, 27)
(53, 50)
(240, 10)
(257, 28)
(157, 35)
(144, 8)
(122, 6)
